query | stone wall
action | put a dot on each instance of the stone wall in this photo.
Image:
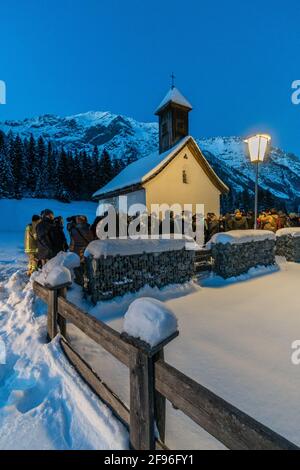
(288, 246)
(111, 276)
(232, 259)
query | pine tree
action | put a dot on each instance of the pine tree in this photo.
(16, 155)
(105, 168)
(32, 165)
(61, 191)
(6, 176)
(42, 179)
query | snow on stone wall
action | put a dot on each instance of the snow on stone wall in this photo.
(288, 244)
(125, 247)
(292, 231)
(233, 259)
(109, 276)
(242, 236)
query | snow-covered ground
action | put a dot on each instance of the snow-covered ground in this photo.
(235, 338)
(43, 402)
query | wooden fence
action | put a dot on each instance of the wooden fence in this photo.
(152, 382)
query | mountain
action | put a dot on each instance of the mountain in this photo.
(123, 136)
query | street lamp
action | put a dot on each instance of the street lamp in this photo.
(257, 145)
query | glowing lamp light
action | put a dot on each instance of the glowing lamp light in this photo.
(258, 145)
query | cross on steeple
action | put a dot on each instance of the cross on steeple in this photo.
(173, 81)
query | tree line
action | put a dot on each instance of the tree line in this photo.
(35, 168)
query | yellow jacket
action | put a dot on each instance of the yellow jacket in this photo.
(30, 241)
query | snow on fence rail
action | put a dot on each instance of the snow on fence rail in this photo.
(152, 382)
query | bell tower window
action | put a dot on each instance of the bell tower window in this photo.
(173, 114)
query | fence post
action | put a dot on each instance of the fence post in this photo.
(53, 318)
(62, 322)
(147, 407)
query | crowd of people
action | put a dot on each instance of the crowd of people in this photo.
(45, 238)
(267, 220)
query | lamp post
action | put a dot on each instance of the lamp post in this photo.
(257, 145)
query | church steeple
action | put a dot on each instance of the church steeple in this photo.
(173, 118)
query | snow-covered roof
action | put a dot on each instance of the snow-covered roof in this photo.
(140, 171)
(174, 96)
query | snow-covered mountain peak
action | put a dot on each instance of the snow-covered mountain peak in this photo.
(124, 137)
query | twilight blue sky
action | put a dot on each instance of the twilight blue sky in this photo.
(234, 60)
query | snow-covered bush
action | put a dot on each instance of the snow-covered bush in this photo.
(149, 320)
(58, 270)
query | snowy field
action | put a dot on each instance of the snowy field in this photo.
(43, 402)
(235, 338)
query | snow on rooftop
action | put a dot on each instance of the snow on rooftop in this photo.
(174, 96)
(137, 171)
(242, 236)
(149, 320)
(293, 231)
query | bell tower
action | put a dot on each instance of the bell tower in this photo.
(173, 115)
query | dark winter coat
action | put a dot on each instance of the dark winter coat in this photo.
(45, 232)
(250, 221)
(212, 228)
(239, 223)
(81, 235)
(228, 222)
(60, 242)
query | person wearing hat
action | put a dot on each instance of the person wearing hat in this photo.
(30, 244)
(45, 232)
(80, 235)
(239, 221)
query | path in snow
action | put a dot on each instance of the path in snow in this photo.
(43, 402)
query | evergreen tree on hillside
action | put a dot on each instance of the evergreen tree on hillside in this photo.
(62, 176)
(31, 164)
(16, 155)
(88, 175)
(51, 168)
(118, 166)
(41, 189)
(105, 168)
(6, 176)
(77, 176)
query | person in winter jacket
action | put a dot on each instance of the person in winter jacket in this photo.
(269, 221)
(228, 222)
(250, 219)
(80, 235)
(30, 244)
(239, 221)
(294, 220)
(211, 226)
(282, 220)
(60, 241)
(46, 233)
